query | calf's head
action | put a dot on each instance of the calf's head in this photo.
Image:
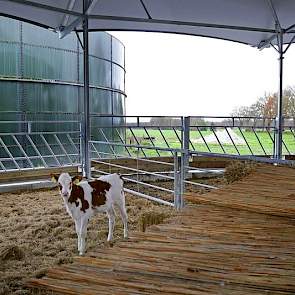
(65, 183)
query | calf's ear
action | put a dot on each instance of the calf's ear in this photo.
(76, 179)
(54, 177)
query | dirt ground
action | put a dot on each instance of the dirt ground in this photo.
(36, 232)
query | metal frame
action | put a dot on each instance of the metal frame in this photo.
(178, 171)
(42, 146)
(48, 146)
(137, 171)
(279, 130)
(58, 82)
(140, 20)
(86, 166)
(279, 35)
(184, 129)
(26, 134)
(180, 156)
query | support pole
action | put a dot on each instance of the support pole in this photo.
(178, 194)
(279, 118)
(86, 165)
(186, 142)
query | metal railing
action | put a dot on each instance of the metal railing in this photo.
(173, 171)
(135, 172)
(143, 141)
(226, 135)
(147, 139)
(240, 135)
(141, 130)
(36, 144)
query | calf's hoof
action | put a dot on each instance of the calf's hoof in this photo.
(110, 244)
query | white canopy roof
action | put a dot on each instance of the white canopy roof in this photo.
(246, 21)
(258, 23)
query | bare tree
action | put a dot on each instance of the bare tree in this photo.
(266, 107)
(289, 102)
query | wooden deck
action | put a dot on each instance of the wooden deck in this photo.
(269, 190)
(216, 247)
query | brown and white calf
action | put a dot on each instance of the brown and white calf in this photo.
(83, 199)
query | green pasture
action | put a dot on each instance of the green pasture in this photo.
(260, 143)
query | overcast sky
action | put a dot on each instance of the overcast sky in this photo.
(186, 75)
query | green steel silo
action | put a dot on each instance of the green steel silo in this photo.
(41, 79)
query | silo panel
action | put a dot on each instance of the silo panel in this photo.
(10, 104)
(100, 45)
(118, 52)
(100, 72)
(100, 101)
(51, 98)
(9, 29)
(48, 63)
(9, 96)
(9, 56)
(118, 122)
(118, 104)
(42, 37)
(118, 77)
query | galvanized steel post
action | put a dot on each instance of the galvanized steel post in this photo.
(86, 165)
(182, 175)
(185, 143)
(279, 118)
(178, 182)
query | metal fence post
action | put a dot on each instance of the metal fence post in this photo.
(274, 138)
(178, 182)
(29, 127)
(186, 143)
(183, 162)
(81, 158)
(279, 117)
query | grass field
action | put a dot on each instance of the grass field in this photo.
(260, 142)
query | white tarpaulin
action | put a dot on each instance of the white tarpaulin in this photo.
(246, 21)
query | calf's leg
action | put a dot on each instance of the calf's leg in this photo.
(111, 216)
(124, 217)
(83, 234)
(77, 227)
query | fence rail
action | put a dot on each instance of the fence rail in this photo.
(35, 144)
(142, 139)
(227, 135)
(176, 171)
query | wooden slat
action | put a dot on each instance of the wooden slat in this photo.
(269, 190)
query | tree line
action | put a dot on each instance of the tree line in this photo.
(266, 106)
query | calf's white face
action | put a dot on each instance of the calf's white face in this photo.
(65, 183)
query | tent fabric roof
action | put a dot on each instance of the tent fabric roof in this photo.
(244, 21)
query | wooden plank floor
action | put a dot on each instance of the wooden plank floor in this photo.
(215, 247)
(269, 190)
